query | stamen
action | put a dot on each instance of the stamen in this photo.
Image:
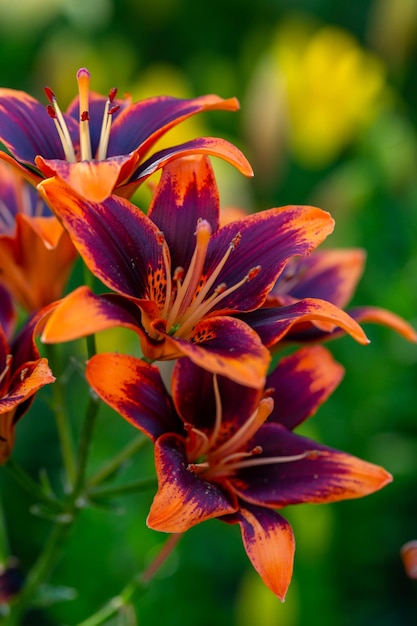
(167, 266)
(273, 459)
(247, 430)
(60, 124)
(83, 79)
(7, 367)
(187, 289)
(106, 125)
(197, 442)
(195, 314)
(218, 418)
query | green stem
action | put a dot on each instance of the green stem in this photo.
(61, 417)
(31, 486)
(4, 544)
(121, 490)
(112, 607)
(85, 444)
(110, 468)
(41, 570)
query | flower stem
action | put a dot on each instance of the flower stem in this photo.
(112, 607)
(4, 544)
(120, 490)
(31, 486)
(110, 468)
(61, 417)
(161, 557)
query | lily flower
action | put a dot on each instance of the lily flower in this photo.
(22, 373)
(182, 278)
(229, 452)
(98, 146)
(298, 307)
(36, 254)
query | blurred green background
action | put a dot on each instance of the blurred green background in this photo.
(328, 116)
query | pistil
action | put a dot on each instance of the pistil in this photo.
(83, 79)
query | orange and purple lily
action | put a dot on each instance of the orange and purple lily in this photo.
(183, 280)
(100, 144)
(229, 452)
(22, 373)
(36, 254)
(299, 306)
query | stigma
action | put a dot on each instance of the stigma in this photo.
(82, 150)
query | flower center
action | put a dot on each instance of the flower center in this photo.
(83, 80)
(212, 460)
(187, 298)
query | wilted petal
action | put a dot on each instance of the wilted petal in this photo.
(301, 383)
(317, 473)
(183, 499)
(134, 389)
(270, 545)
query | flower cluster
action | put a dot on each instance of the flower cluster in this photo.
(217, 300)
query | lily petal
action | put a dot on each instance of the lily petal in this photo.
(225, 346)
(187, 192)
(265, 240)
(26, 128)
(34, 271)
(134, 389)
(386, 318)
(191, 383)
(143, 123)
(7, 312)
(317, 473)
(91, 180)
(83, 313)
(269, 543)
(301, 383)
(116, 240)
(183, 499)
(327, 274)
(213, 146)
(294, 322)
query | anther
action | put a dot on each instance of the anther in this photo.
(253, 272)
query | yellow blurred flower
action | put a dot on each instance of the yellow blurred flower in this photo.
(329, 89)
